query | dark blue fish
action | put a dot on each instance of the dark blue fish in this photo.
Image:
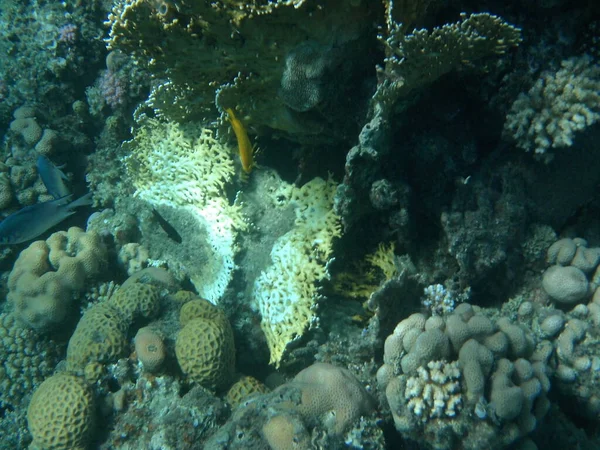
(52, 177)
(31, 221)
(167, 227)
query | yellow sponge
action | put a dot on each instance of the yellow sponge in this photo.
(61, 414)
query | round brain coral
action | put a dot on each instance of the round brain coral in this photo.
(100, 337)
(206, 352)
(200, 308)
(61, 414)
(332, 396)
(136, 300)
(243, 388)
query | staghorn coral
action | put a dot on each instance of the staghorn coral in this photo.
(559, 105)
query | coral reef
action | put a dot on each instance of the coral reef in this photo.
(376, 265)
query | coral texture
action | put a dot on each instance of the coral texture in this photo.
(285, 293)
(206, 352)
(61, 414)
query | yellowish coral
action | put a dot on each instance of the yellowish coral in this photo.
(286, 293)
(200, 308)
(61, 414)
(186, 168)
(206, 353)
(243, 388)
(383, 258)
(135, 300)
(100, 338)
(49, 274)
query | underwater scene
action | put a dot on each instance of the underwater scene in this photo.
(299, 224)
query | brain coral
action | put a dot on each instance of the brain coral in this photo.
(49, 274)
(136, 301)
(61, 414)
(206, 353)
(332, 396)
(100, 337)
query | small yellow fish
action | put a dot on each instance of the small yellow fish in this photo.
(244, 146)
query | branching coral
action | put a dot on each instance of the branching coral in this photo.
(558, 106)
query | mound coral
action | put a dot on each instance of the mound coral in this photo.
(463, 381)
(49, 275)
(61, 414)
(205, 350)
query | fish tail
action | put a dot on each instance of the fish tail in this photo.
(81, 201)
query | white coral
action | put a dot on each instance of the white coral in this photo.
(556, 107)
(435, 391)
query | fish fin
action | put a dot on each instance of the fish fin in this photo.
(63, 200)
(81, 201)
